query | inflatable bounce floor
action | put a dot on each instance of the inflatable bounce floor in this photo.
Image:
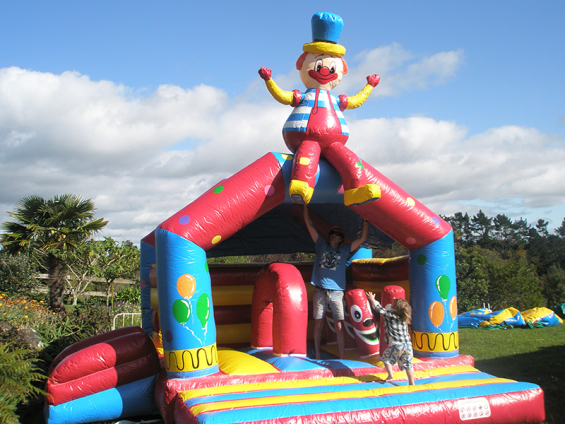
(285, 390)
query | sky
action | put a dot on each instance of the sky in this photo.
(141, 106)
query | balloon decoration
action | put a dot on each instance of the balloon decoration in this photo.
(443, 285)
(436, 312)
(186, 284)
(453, 307)
(182, 311)
(203, 309)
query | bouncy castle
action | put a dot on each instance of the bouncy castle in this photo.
(232, 343)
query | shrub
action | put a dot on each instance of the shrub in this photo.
(17, 377)
(129, 294)
(55, 330)
(17, 273)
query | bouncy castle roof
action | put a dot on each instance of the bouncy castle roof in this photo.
(251, 213)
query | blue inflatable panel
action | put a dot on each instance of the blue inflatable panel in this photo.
(147, 258)
(550, 320)
(292, 364)
(289, 363)
(129, 400)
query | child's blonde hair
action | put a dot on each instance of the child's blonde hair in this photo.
(403, 309)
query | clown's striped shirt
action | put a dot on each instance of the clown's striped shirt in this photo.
(298, 119)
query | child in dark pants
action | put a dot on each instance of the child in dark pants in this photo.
(396, 335)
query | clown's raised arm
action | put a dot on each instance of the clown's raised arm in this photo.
(357, 100)
(291, 98)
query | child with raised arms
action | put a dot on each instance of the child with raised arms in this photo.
(396, 335)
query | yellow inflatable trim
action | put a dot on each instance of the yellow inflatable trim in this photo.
(335, 381)
(234, 362)
(269, 385)
(154, 298)
(502, 316)
(304, 398)
(435, 372)
(322, 47)
(358, 196)
(187, 360)
(301, 189)
(232, 295)
(535, 314)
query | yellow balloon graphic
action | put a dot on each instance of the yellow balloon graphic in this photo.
(453, 307)
(436, 313)
(186, 284)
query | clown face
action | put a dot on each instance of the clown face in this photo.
(321, 71)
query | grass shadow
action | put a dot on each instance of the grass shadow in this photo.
(544, 367)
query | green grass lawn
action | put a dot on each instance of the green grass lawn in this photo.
(531, 355)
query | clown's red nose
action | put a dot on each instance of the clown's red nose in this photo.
(325, 71)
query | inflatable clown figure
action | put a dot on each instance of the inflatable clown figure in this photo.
(316, 127)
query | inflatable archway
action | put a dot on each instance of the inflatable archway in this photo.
(180, 245)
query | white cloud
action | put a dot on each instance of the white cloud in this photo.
(68, 134)
(511, 167)
(70, 115)
(400, 70)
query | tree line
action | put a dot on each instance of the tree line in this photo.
(499, 262)
(505, 263)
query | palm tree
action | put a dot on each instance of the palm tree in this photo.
(46, 229)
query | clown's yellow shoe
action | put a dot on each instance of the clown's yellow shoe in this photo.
(363, 194)
(300, 192)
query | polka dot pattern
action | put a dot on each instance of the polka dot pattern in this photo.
(304, 161)
(183, 220)
(216, 239)
(411, 202)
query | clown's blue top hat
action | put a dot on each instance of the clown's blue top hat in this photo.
(326, 29)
